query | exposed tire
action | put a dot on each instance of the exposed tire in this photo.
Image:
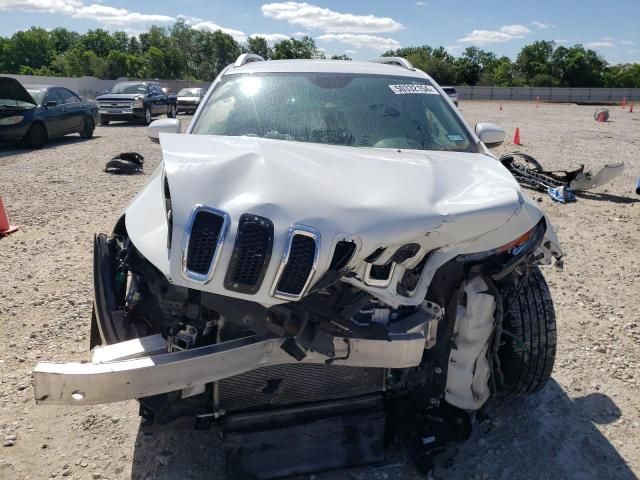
(172, 113)
(147, 116)
(88, 126)
(104, 122)
(36, 137)
(528, 345)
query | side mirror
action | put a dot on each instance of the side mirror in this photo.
(51, 103)
(167, 125)
(489, 134)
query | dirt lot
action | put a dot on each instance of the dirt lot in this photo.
(584, 424)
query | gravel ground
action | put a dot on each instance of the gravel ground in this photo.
(584, 424)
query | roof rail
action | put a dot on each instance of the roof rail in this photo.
(247, 58)
(398, 61)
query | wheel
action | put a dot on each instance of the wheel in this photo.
(147, 116)
(104, 122)
(94, 335)
(36, 137)
(88, 126)
(172, 112)
(528, 344)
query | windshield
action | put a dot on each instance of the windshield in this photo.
(189, 92)
(129, 88)
(37, 94)
(337, 109)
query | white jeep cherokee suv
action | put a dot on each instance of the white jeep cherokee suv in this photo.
(328, 256)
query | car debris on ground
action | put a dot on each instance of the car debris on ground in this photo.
(559, 184)
(126, 163)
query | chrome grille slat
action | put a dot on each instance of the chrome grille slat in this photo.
(251, 254)
(298, 264)
(203, 240)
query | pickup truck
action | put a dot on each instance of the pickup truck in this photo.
(137, 100)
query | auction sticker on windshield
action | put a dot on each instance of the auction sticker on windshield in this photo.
(413, 89)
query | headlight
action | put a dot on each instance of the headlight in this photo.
(137, 103)
(514, 248)
(11, 120)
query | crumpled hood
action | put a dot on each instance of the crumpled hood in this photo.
(12, 89)
(379, 196)
(363, 191)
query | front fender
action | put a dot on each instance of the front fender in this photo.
(146, 222)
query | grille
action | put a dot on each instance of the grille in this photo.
(203, 240)
(251, 254)
(297, 383)
(342, 254)
(115, 104)
(299, 267)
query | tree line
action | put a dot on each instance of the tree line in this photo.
(180, 52)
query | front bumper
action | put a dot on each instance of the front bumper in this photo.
(121, 113)
(14, 133)
(142, 367)
(187, 106)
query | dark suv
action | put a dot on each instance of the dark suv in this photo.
(135, 100)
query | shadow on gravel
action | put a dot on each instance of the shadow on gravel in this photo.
(116, 124)
(546, 436)
(12, 150)
(606, 197)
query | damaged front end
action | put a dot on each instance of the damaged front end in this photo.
(250, 309)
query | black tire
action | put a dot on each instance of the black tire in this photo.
(148, 117)
(88, 126)
(173, 112)
(104, 123)
(528, 345)
(36, 137)
(95, 339)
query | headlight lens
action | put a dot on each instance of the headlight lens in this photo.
(514, 247)
(11, 120)
(137, 103)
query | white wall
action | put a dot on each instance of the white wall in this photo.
(548, 94)
(91, 86)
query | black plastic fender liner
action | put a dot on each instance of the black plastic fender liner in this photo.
(110, 317)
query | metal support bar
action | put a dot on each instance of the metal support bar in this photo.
(125, 378)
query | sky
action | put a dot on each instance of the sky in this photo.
(361, 28)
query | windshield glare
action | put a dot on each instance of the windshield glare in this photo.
(337, 109)
(37, 95)
(188, 92)
(129, 88)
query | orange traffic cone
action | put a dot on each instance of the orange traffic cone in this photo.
(631, 107)
(516, 137)
(5, 228)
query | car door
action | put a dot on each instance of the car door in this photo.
(158, 100)
(74, 110)
(54, 114)
(152, 99)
